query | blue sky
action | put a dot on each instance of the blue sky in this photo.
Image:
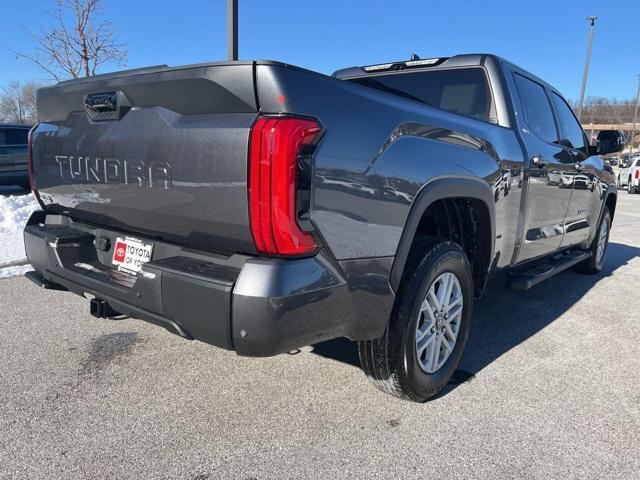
(547, 37)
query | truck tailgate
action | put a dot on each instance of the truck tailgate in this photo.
(160, 152)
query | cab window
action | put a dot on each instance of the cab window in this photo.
(571, 133)
(464, 91)
(536, 108)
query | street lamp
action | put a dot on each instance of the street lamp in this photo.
(232, 30)
(592, 26)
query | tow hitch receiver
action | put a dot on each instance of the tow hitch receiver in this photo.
(101, 309)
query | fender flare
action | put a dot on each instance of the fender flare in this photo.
(439, 189)
(612, 190)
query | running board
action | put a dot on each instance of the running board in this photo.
(539, 273)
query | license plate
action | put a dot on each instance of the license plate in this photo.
(129, 254)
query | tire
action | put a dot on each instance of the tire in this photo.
(391, 362)
(630, 188)
(595, 262)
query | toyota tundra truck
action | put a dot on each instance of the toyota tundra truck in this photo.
(260, 207)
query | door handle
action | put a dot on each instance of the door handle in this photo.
(539, 162)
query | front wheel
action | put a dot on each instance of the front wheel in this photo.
(429, 324)
(599, 246)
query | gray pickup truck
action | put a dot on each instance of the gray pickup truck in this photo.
(261, 207)
(13, 155)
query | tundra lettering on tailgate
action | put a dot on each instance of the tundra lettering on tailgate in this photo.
(79, 169)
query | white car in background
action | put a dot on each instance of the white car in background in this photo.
(629, 175)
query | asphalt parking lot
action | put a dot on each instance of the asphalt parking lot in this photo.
(549, 388)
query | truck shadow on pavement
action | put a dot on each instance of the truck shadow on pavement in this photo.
(504, 318)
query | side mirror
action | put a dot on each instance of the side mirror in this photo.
(609, 141)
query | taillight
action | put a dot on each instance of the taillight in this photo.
(637, 172)
(32, 183)
(275, 145)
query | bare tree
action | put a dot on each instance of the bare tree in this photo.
(78, 41)
(18, 103)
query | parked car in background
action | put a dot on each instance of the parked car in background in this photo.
(13, 155)
(629, 175)
(613, 161)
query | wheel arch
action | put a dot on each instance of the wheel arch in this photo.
(443, 189)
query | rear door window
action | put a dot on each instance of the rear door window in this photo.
(3, 140)
(536, 108)
(464, 91)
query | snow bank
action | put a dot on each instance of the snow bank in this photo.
(14, 271)
(14, 213)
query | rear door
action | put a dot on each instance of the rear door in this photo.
(549, 174)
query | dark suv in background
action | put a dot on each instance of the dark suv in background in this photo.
(13, 155)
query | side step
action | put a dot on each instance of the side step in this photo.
(539, 273)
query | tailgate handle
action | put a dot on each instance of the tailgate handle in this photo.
(102, 102)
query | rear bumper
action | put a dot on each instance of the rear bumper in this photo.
(16, 177)
(255, 306)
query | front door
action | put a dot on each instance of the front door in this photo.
(584, 207)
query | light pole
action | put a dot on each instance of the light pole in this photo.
(635, 118)
(592, 26)
(232, 30)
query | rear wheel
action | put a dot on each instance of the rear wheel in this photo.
(599, 246)
(630, 187)
(429, 325)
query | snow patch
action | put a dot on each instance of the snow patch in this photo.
(15, 271)
(14, 213)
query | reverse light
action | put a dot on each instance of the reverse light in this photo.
(276, 142)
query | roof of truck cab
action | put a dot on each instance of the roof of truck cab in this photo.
(462, 60)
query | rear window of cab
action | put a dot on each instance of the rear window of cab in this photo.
(464, 91)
